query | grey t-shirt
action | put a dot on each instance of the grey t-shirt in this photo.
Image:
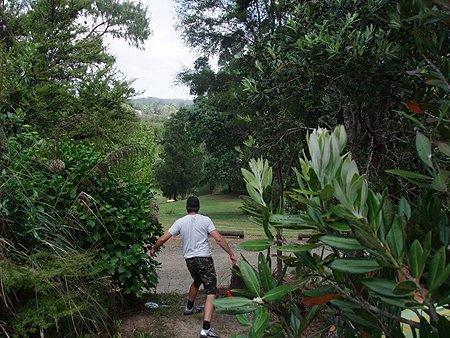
(194, 229)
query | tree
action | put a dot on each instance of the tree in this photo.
(55, 50)
(180, 168)
(292, 66)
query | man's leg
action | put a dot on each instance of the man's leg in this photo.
(192, 265)
(192, 295)
(210, 284)
(209, 308)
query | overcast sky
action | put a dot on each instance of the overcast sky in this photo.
(155, 68)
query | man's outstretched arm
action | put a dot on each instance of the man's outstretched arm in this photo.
(161, 240)
(224, 245)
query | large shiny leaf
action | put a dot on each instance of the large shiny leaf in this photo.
(300, 221)
(232, 302)
(279, 292)
(383, 287)
(409, 175)
(396, 238)
(416, 259)
(265, 274)
(344, 243)
(243, 319)
(423, 147)
(439, 271)
(261, 320)
(355, 266)
(250, 277)
(256, 244)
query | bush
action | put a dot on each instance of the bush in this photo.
(361, 264)
(72, 202)
(54, 293)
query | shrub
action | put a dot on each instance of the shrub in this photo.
(61, 198)
(361, 265)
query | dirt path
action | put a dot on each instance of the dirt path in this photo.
(173, 273)
(174, 281)
(170, 322)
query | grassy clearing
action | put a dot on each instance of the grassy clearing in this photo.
(224, 210)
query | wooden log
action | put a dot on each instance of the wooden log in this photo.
(229, 233)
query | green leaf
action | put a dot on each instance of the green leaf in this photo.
(344, 243)
(243, 319)
(261, 320)
(265, 275)
(416, 259)
(343, 227)
(242, 293)
(444, 148)
(319, 292)
(302, 221)
(442, 278)
(440, 182)
(279, 292)
(363, 319)
(409, 174)
(383, 287)
(250, 277)
(354, 266)
(404, 208)
(437, 266)
(399, 302)
(327, 192)
(344, 304)
(404, 288)
(396, 239)
(250, 178)
(232, 302)
(423, 147)
(256, 245)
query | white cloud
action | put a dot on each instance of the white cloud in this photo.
(155, 68)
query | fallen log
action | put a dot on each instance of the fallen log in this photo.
(228, 233)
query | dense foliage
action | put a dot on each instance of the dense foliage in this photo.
(76, 165)
(363, 268)
(286, 67)
(178, 172)
(376, 263)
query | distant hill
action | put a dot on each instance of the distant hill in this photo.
(157, 108)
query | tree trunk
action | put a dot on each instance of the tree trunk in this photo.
(350, 125)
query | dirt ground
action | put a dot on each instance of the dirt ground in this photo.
(174, 275)
(170, 321)
(174, 281)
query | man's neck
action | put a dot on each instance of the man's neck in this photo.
(192, 213)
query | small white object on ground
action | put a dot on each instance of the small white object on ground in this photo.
(153, 305)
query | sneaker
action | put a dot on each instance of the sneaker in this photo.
(194, 310)
(208, 333)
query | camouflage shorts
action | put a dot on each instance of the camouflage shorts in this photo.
(203, 272)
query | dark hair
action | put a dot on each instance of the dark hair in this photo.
(192, 204)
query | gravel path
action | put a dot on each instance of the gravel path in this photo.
(174, 275)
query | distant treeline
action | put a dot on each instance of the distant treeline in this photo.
(157, 108)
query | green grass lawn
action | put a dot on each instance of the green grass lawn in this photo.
(223, 210)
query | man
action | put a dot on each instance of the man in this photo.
(195, 229)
